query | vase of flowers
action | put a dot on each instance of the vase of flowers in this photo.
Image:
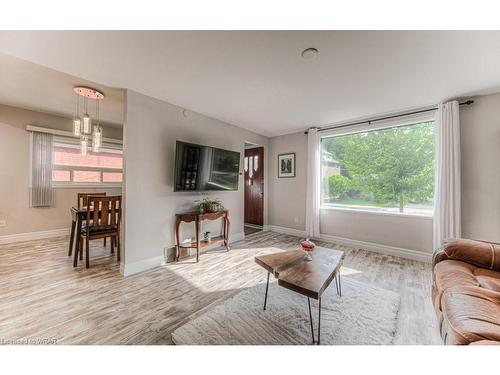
(308, 247)
(210, 205)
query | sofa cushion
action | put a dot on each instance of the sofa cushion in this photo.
(454, 273)
(479, 253)
(488, 279)
(99, 229)
(470, 314)
(451, 273)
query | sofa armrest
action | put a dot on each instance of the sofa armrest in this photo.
(438, 256)
(479, 253)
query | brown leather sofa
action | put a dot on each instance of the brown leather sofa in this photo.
(466, 292)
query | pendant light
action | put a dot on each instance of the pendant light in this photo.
(89, 130)
(97, 133)
(77, 121)
(96, 139)
(87, 122)
(84, 145)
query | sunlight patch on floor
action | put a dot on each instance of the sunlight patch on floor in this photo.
(345, 271)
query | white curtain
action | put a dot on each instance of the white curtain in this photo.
(447, 189)
(41, 170)
(313, 184)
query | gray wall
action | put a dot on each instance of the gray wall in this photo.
(407, 232)
(14, 174)
(288, 195)
(151, 129)
(480, 146)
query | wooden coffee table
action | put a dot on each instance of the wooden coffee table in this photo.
(309, 278)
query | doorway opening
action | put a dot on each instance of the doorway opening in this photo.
(254, 188)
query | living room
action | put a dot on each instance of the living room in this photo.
(332, 188)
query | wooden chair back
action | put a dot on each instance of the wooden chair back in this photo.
(83, 198)
(104, 211)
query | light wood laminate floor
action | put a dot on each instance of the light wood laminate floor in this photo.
(42, 297)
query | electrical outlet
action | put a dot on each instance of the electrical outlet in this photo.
(3, 222)
(169, 254)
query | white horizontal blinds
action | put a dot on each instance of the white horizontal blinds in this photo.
(41, 170)
(66, 134)
(106, 146)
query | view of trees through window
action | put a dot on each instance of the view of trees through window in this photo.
(384, 170)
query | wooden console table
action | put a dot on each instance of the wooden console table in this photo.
(198, 218)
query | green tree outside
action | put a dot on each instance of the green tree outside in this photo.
(389, 167)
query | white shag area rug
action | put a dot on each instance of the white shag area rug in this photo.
(364, 315)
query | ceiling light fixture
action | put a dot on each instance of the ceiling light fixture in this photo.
(309, 53)
(82, 127)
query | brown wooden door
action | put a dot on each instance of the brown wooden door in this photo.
(254, 186)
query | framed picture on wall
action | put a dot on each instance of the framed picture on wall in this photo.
(286, 165)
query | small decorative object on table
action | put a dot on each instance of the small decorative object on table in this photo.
(308, 247)
(206, 237)
(210, 205)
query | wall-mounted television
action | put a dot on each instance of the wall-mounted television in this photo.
(205, 168)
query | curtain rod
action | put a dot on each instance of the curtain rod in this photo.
(64, 133)
(468, 102)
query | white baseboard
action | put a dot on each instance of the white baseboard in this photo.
(127, 269)
(370, 246)
(379, 248)
(254, 226)
(30, 236)
(285, 230)
(235, 237)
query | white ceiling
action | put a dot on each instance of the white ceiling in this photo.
(31, 86)
(257, 79)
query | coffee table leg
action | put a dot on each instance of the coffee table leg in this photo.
(340, 284)
(319, 321)
(337, 283)
(267, 288)
(310, 318)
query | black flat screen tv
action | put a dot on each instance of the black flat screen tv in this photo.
(205, 168)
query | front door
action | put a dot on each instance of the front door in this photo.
(254, 186)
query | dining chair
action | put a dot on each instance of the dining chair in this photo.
(83, 200)
(80, 203)
(103, 220)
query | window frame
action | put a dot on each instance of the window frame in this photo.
(407, 120)
(71, 168)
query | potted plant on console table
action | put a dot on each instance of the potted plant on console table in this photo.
(210, 205)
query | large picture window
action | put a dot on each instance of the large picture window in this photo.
(70, 168)
(385, 170)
